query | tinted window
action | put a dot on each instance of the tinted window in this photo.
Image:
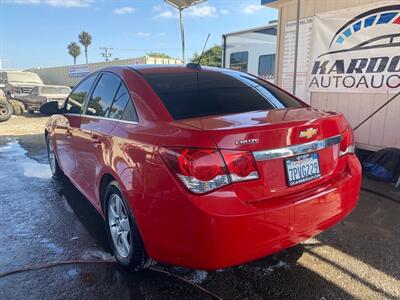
(119, 104)
(103, 95)
(77, 97)
(130, 112)
(266, 66)
(239, 61)
(188, 95)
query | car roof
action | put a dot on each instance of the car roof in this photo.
(157, 69)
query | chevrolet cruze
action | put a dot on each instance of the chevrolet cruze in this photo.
(201, 167)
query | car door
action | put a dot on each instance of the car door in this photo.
(66, 125)
(93, 143)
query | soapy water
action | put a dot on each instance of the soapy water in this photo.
(30, 167)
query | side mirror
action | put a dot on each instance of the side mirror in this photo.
(50, 108)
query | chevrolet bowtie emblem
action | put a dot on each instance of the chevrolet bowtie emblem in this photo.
(308, 133)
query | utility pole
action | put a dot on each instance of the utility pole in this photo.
(106, 52)
(182, 34)
(296, 49)
(180, 5)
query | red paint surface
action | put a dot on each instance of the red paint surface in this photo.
(235, 224)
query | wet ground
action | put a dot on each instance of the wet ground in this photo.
(44, 220)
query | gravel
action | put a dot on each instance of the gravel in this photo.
(23, 125)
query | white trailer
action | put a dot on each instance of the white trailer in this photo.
(251, 50)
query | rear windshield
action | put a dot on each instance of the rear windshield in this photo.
(207, 93)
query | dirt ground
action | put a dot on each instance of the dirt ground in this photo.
(23, 125)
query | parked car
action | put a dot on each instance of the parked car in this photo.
(43, 94)
(202, 167)
(18, 84)
(6, 109)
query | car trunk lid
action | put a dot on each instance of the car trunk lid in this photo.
(274, 137)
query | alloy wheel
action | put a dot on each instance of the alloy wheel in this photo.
(118, 222)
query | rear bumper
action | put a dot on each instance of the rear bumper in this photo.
(208, 238)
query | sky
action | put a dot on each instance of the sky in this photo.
(35, 33)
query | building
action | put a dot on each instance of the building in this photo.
(348, 61)
(251, 50)
(70, 75)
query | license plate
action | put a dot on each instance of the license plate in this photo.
(302, 168)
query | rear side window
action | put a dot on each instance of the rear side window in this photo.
(130, 113)
(77, 97)
(103, 95)
(197, 94)
(122, 107)
(239, 61)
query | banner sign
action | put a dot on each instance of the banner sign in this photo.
(357, 50)
(78, 71)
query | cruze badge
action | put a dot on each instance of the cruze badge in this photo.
(247, 142)
(308, 133)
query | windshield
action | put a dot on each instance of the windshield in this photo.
(206, 93)
(47, 90)
(23, 77)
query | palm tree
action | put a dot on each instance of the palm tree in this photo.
(74, 50)
(85, 39)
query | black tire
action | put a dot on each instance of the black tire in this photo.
(6, 111)
(54, 166)
(32, 112)
(18, 107)
(136, 258)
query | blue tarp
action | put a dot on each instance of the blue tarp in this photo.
(383, 165)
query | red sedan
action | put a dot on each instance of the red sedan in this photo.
(202, 167)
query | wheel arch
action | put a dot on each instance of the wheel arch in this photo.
(104, 182)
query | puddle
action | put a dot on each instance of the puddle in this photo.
(67, 207)
(280, 264)
(195, 276)
(31, 168)
(97, 254)
(53, 247)
(72, 272)
(198, 277)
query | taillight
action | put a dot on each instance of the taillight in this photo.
(241, 165)
(347, 145)
(204, 170)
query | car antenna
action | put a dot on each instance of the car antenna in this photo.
(197, 65)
